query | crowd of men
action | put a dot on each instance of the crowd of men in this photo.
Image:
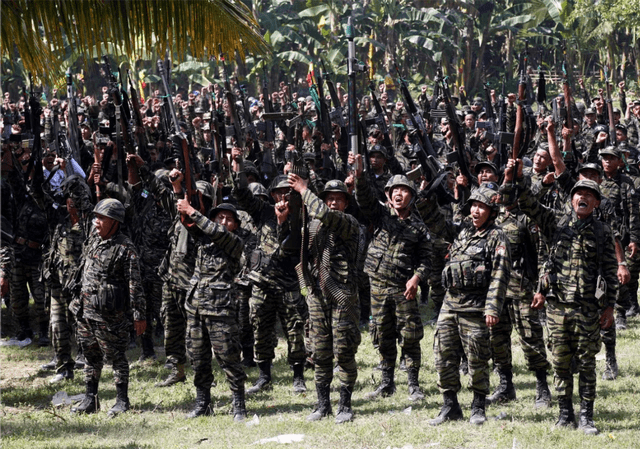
(243, 210)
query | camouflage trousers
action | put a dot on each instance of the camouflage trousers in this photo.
(573, 333)
(396, 318)
(152, 287)
(244, 316)
(438, 261)
(207, 334)
(517, 312)
(62, 323)
(100, 340)
(267, 304)
(25, 278)
(632, 286)
(457, 334)
(334, 332)
(174, 320)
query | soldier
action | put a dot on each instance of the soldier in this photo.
(65, 255)
(212, 325)
(275, 291)
(476, 277)
(111, 290)
(333, 296)
(579, 284)
(398, 259)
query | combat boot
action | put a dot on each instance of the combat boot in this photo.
(611, 368)
(51, 365)
(478, 416)
(25, 330)
(566, 417)
(387, 385)
(505, 391)
(586, 423)
(43, 338)
(202, 406)
(264, 379)
(90, 403)
(323, 407)
(80, 361)
(299, 386)
(450, 410)
(345, 413)
(148, 353)
(543, 395)
(122, 401)
(634, 310)
(621, 321)
(247, 357)
(239, 407)
(415, 394)
(177, 375)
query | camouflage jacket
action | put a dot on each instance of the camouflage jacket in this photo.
(111, 284)
(179, 260)
(333, 245)
(620, 190)
(218, 261)
(400, 248)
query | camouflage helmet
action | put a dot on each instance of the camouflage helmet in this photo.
(258, 189)
(486, 193)
(335, 186)
(587, 184)
(279, 182)
(163, 175)
(76, 185)
(399, 180)
(111, 208)
(228, 207)
(591, 166)
(488, 164)
(205, 188)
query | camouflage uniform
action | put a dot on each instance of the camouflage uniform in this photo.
(275, 291)
(211, 307)
(31, 234)
(111, 288)
(399, 250)
(176, 271)
(149, 229)
(333, 299)
(573, 311)
(66, 251)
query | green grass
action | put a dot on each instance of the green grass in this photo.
(157, 418)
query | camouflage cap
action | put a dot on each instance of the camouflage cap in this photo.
(399, 180)
(111, 208)
(489, 164)
(334, 186)
(258, 189)
(587, 184)
(377, 148)
(205, 188)
(613, 151)
(279, 182)
(591, 166)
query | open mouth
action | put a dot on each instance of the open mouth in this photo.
(583, 204)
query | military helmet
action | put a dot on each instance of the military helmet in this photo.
(111, 208)
(335, 186)
(250, 169)
(75, 183)
(258, 189)
(399, 180)
(205, 188)
(486, 193)
(163, 175)
(587, 184)
(279, 182)
(228, 207)
(591, 166)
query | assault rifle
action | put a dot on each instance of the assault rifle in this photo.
(138, 130)
(179, 139)
(337, 111)
(612, 122)
(457, 133)
(237, 131)
(268, 166)
(426, 154)
(72, 128)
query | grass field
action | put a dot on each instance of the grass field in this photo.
(157, 418)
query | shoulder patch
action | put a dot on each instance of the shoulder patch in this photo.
(501, 250)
